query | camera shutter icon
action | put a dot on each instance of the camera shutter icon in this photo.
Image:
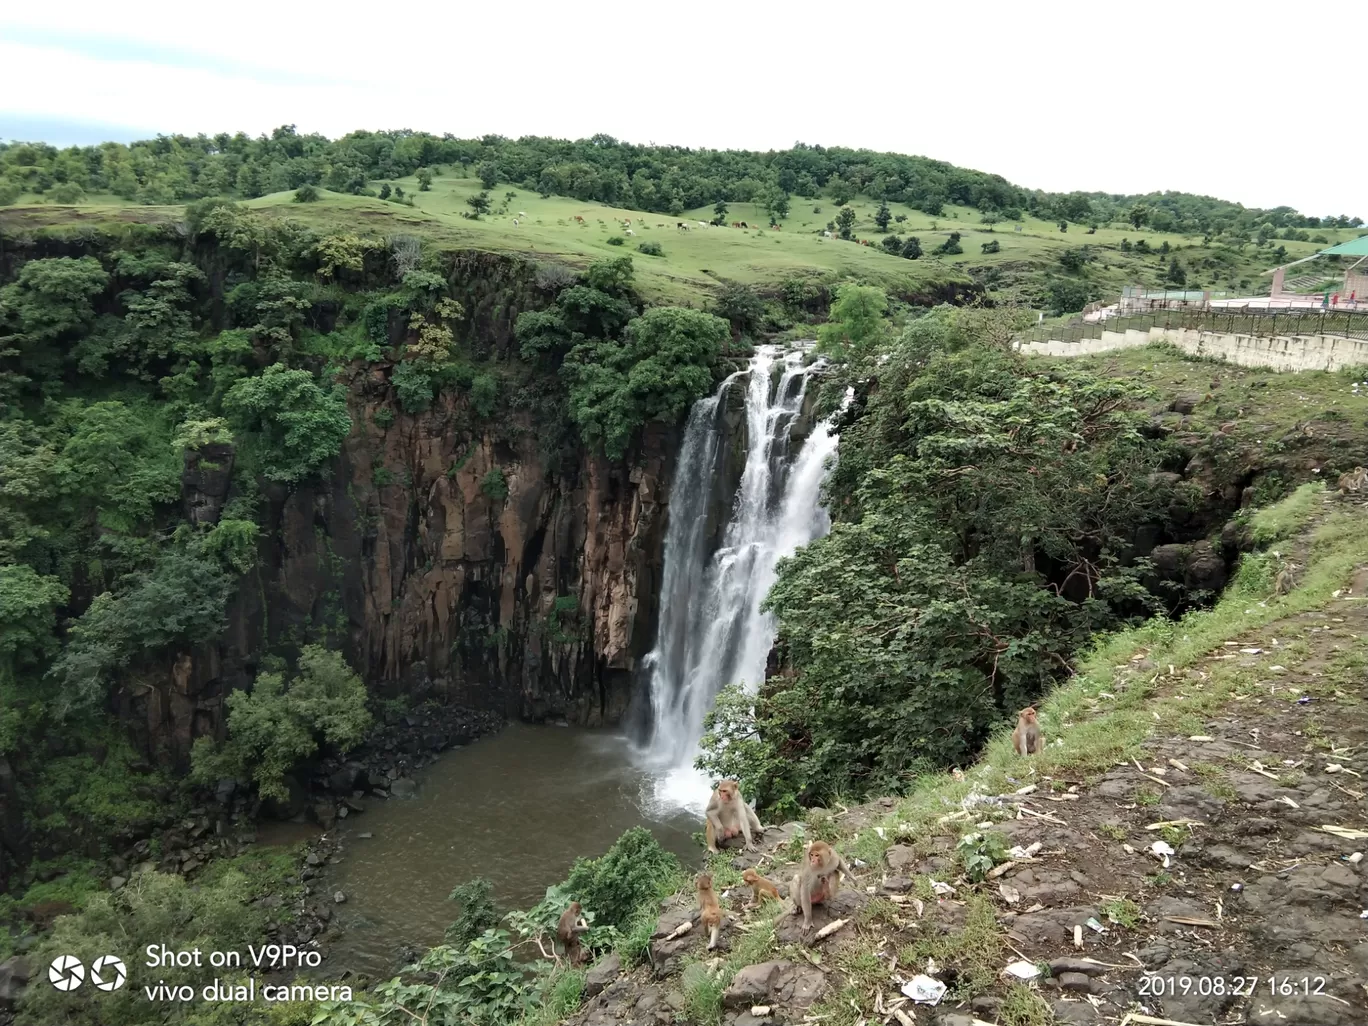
(108, 972)
(66, 972)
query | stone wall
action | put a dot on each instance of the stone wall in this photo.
(1280, 352)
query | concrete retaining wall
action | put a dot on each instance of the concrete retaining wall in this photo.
(1281, 352)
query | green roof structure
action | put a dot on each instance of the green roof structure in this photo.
(1354, 247)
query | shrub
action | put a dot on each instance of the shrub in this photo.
(616, 240)
(477, 911)
(494, 484)
(276, 725)
(661, 367)
(66, 192)
(414, 385)
(484, 394)
(912, 248)
(892, 244)
(307, 194)
(991, 247)
(219, 912)
(634, 872)
(9, 192)
(383, 417)
(650, 249)
(181, 599)
(951, 245)
(298, 424)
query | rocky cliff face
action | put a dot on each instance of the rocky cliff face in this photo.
(484, 562)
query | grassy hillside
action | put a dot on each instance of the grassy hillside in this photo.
(692, 262)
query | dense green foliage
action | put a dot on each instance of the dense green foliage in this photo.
(276, 725)
(663, 364)
(218, 913)
(667, 179)
(476, 977)
(983, 509)
(629, 874)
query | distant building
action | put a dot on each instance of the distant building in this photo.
(1355, 281)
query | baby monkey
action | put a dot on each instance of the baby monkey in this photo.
(710, 909)
(1027, 738)
(760, 887)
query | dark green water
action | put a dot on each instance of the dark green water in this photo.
(516, 808)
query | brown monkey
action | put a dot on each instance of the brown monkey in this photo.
(1352, 481)
(729, 815)
(568, 930)
(1286, 579)
(818, 880)
(709, 909)
(1027, 738)
(760, 886)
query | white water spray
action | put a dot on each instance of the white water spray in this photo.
(712, 631)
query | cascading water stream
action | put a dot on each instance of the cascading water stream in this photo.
(712, 631)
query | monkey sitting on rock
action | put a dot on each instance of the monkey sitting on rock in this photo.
(728, 815)
(818, 879)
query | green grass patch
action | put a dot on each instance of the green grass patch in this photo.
(1288, 517)
(974, 950)
(702, 989)
(1022, 1006)
(1121, 911)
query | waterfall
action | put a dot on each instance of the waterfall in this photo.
(712, 631)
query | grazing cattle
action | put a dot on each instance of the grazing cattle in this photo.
(776, 228)
(681, 226)
(826, 235)
(579, 219)
(515, 222)
(522, 213)
(702, 224)
(736, 224)
(630, 232)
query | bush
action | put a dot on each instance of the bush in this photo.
(274, 726)
(66, 193)
(494, 484)
(217, 913)
(616, 240)
(307, 194)
(383, 417)
(477, 911)
(9, 192)
(951, 245)
(650, 248)
(636, 871)
(892, 244)
(414, 385)
(991, 247)
(298, 424)
(912, 248)
(183, 598)
(662, 366)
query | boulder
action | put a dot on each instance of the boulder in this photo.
(404, 787)
(600, 975)
(14, 976)
(292, 805)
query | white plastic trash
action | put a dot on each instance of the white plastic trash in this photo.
(924, 990)
(1023, 970)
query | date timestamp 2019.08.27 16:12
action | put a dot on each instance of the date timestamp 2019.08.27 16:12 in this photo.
(1232, 986)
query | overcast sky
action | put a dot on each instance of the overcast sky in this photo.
(1247, 101)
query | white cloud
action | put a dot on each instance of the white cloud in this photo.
(1208, 98)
